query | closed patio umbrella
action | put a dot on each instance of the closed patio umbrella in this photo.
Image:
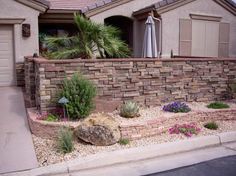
(149, 41)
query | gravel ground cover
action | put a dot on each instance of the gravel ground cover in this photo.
(157, 112)
(47, 153)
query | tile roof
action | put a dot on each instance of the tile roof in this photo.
(167, 2)
(82, 5)
(164, 3)
(86, 5)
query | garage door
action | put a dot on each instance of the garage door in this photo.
(7, 75)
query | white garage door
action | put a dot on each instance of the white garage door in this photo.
(7, 75)
(205, 38)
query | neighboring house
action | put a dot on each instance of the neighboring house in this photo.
(201, 28)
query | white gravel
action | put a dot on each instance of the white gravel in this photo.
(157, 112)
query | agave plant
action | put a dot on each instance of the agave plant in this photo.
(129, 110)
(91, 40)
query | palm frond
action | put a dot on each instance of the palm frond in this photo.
(91, 39)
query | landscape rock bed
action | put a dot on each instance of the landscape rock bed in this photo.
(44, 129)
(150, 128)
(152, 121)
(161, 121)
(47, 154)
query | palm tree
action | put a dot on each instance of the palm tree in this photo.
(92, 39)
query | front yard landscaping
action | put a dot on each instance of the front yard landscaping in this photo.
(153, 125)
(65, 124)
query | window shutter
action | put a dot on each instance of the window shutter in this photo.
(224, 39)
(185, 37)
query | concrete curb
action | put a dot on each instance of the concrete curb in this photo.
(130, 155)
(227, 137)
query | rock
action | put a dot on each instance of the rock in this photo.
(99, 129)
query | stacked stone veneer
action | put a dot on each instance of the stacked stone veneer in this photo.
(159, 125)
(152, 127)
(147, 81)
(20, 74)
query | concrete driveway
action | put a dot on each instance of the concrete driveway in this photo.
(16, 145)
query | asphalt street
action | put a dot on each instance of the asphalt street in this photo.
(219, 167)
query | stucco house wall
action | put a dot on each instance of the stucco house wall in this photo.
(125, 9)
(170, 21)
(23, 46)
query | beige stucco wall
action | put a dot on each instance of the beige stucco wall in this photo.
(127, 10)
(11, 9)
(171, 23)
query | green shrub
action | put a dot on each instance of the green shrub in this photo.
(80, 92)
(211, 125)
(65, 141)
(218, 105)
(129, 110)
(52, 118)
(124, 141)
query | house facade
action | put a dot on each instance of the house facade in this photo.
(196, 28)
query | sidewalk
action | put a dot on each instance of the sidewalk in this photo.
(16, 146)
(144, 160)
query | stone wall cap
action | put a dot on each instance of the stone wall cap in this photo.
(79, 60)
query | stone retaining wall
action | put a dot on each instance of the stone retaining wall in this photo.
(147, 81)
(49, 130)
(156, 126)
(44, 129)
(20, 74)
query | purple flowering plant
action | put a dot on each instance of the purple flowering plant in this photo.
(186, 129)
(177, 107)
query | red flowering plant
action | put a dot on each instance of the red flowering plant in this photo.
(186, 129)
(53, 115)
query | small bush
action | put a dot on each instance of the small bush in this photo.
(176, 107)
(80, 92)
(124, 141)
(218, 105)
(65, 141)
(186, 129)
(52, 118)
(211, 125)
(129, 110)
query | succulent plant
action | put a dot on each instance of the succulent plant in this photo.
(129, 110)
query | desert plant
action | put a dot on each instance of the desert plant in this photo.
(124, 141)
(177, 107)
(129, 109)
(52, 118)
(80, 93)
(218, 105)
(211, 125)
(91, 39)
(65, 141)
(186, 129)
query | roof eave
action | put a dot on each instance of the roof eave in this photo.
(227, 4)
(65, 11)
(39, 5)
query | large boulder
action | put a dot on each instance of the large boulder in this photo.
(99, 129)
